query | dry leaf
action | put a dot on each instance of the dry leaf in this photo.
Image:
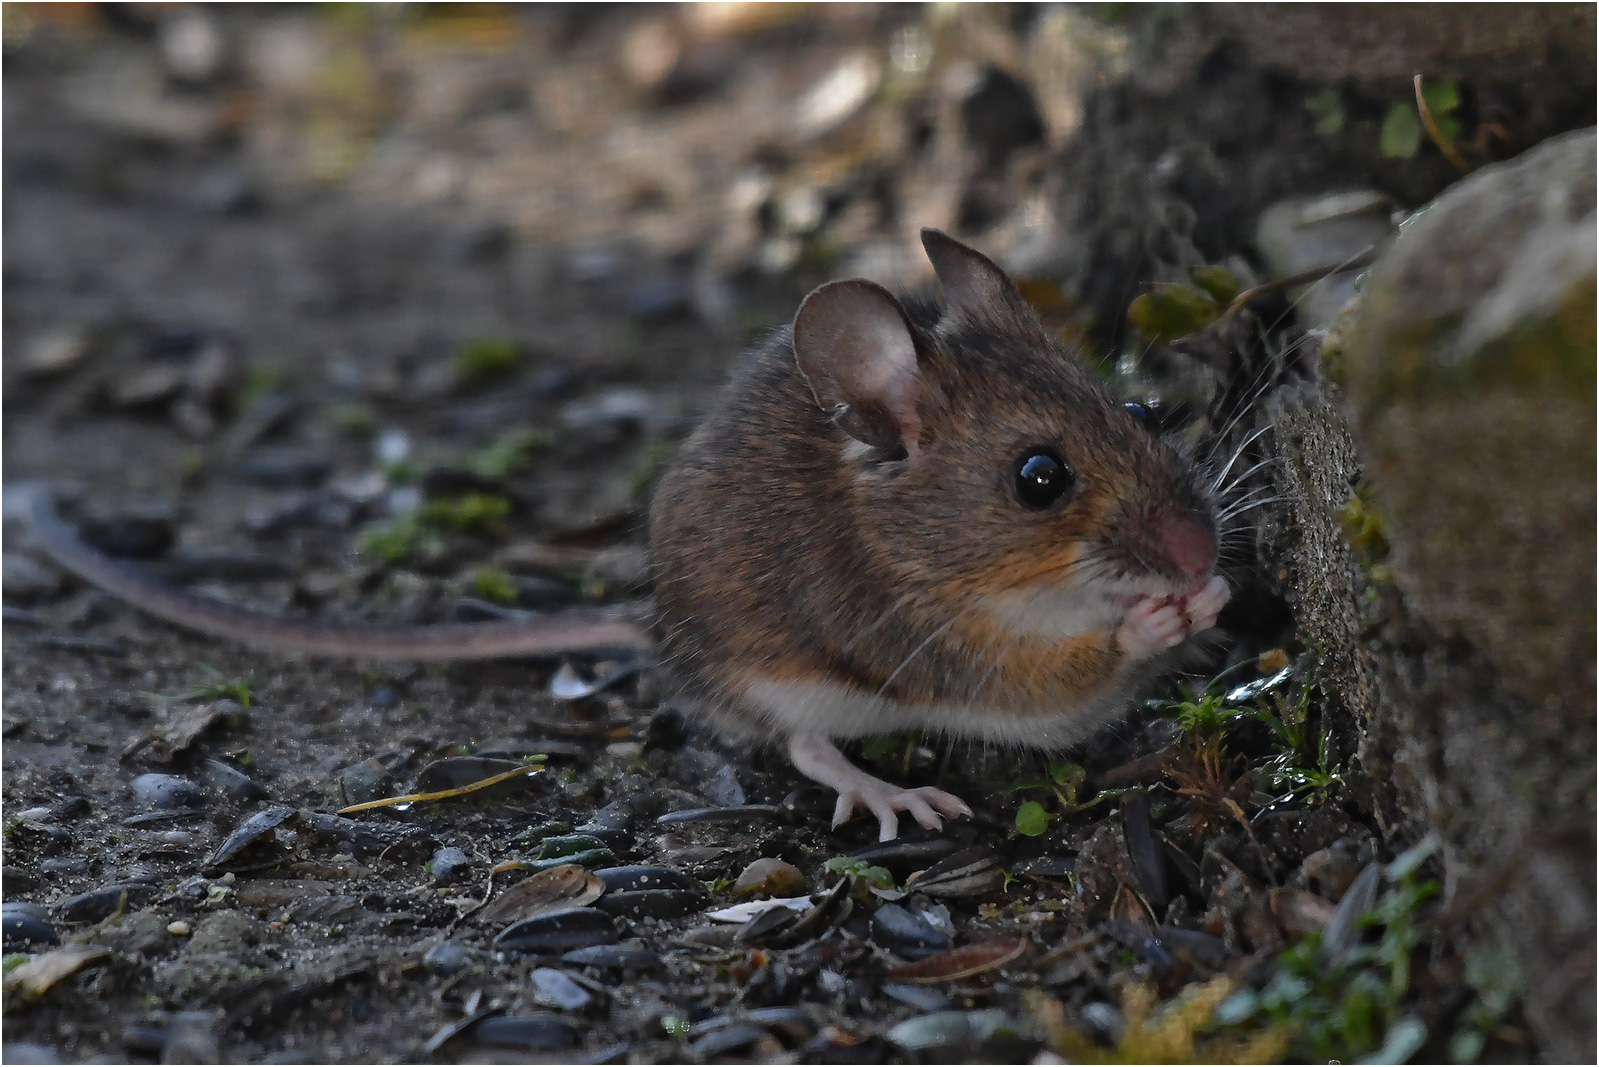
(566, 886)
(959, 963)
(36, 976)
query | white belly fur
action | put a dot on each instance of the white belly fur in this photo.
(837, 711)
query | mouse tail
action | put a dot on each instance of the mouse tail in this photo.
(574, 631)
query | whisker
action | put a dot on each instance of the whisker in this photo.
(929, 639)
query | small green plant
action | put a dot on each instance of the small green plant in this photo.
(12, 962)
(486, 357)
(352, 420)
(1064, 781)
(1328, 108)
(470, 511)
(397, 540)
(674, 1026)
(508, 454)
(1495, 976)
(1349, 1004)
(1402, 129)
(494, 585)
(219, 687)
(878, 877)
(717, 885)
(1300, 762)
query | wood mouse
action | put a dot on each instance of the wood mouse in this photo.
(897, 516)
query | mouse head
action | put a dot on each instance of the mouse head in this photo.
(982, 457)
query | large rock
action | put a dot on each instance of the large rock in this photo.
(1469, 366)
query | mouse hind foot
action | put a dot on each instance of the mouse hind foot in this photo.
(819, 759)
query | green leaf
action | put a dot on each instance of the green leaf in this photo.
(1170, 311)
(1440, 97)
(1216, 280)
(1031, 819)
(881, 746)
(1401, 132)
(1466, 1046)
(1328, 107)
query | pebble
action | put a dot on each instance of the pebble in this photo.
(544, 1030)
(558, 931)
(616, 957)
(919, 997)
(727, 1039)
(249, 832)
(167, 791)
(641, 877)
(130, 536)
(946, 1028)
(25, 581)
(56, 352)
(741, 813)
(283, 467)
(365, 781)
(906, 934)
(99, 903)
(653, 903)
(64, 865)
(448, 864)
(232, 782)
(25, 923)
(770, 878)
(179, 928)
(556, 989)
(447, 958)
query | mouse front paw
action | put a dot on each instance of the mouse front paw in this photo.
(1154, 624)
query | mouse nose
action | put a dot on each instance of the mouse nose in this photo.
(1188, 542)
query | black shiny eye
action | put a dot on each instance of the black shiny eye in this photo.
(1041, 479)
(1137, 411)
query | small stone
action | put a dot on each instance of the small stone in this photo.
(105, 901)
(166, 792)
(556, 989)
(447, 958)
(56, 352)
(545, 1030)
(232, 782)
(364, 781)
(558, 931)
(24, 924)
(147, 386)
(179, 928)
(447, 865)
(770, 878)
(25, 581)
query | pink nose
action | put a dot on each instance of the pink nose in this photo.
(1187, 542)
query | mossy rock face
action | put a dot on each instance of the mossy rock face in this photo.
(1470, 364)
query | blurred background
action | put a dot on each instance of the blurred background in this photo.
(396, 311)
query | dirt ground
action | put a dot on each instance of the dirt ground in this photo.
(251, 326)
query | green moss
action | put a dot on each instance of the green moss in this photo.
(486, 357)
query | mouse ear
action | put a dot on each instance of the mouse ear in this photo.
(854, 347)
(971, 280)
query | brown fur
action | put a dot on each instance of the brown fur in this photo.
(780, 556)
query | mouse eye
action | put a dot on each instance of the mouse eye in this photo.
(1042, 478)
(1137, 411)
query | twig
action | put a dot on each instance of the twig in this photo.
(1315, 274)
(1435, 133)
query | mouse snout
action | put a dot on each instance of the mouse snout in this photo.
(1188, 542)
(1179, 543)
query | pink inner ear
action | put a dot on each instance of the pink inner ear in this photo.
(854, 348)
